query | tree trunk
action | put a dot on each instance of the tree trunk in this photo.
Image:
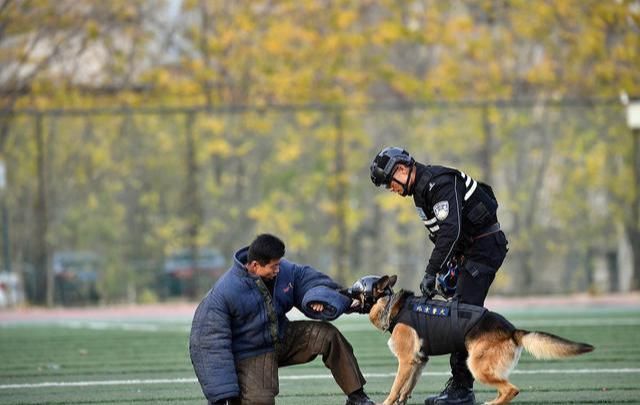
(534, 200)
(6, 243)
(342, 271)
(43, 293)
(634, 240)
(612, 271)
(633, 228)
(193, 208)
(525, 278)
(486, 152)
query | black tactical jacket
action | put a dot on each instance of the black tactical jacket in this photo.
(454, 207)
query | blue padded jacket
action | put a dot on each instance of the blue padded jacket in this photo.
(238, 319)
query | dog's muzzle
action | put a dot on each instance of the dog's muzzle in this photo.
(365, 291)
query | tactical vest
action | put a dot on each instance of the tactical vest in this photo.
(479, 205)
(442, 325)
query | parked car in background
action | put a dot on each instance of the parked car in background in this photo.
(184, 274)
(76, 277)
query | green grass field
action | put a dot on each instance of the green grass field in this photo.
(134, 361)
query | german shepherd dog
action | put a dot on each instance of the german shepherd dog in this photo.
(493, 343)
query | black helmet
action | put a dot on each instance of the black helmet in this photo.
(365, 285)
(363, 290)
(383, 164)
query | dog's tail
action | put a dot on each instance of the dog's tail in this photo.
(544, 345)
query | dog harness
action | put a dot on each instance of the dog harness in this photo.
(442, 325)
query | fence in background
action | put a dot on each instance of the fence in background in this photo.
(137, 186)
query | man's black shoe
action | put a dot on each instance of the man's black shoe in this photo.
(431, 400)
(359, 398)
(453, 394)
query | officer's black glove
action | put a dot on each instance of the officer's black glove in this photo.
(428, 285)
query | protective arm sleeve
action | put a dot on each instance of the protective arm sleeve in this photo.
(334, 303)
(312, 286)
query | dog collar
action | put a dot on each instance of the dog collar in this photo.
(388, 323)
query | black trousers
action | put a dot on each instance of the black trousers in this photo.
(473, 286)
(303, 342)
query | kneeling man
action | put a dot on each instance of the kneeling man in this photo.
(240, 334)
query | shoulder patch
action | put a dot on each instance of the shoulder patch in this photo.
(441, 210)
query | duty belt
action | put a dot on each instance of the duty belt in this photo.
(487, 231)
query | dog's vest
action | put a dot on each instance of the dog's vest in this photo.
(442, 325)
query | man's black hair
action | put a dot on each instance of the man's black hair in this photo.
(265, 248)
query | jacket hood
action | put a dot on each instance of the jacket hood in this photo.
(239, 262)
(240, 257)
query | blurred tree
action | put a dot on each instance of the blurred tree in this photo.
(278, 139)
(514, 50)
(49, 52)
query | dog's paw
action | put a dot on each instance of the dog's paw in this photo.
(396, 402)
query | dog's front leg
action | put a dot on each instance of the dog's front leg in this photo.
(405, 345)
(416, 370)
(402, 377)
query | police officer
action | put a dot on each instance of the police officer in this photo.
(460, 215)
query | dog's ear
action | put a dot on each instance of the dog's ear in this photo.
(392, 280)
(380, 284)
(384, 282)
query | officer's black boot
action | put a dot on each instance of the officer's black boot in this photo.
(454, 393)
(459, 388)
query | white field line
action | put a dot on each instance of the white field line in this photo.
(297, 377)
(106, 325)
(531, 323)
(162, 327)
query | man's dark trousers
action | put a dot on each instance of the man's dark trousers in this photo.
(303, 342)
(489, 252)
